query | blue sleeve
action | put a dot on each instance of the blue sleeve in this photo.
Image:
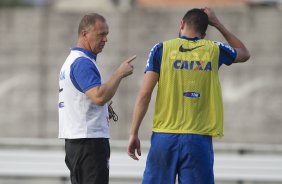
(227, 54)
(84, 74)
(155, 59)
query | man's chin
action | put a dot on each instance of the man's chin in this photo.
(100, 49)
(97, 51)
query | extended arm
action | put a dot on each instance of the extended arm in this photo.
(103, 93)
(242, 52)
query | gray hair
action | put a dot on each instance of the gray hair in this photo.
(89, 20)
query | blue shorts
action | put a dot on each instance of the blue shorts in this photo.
(188, 156)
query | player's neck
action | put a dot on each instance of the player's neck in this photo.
(191, 34)
(82, 44)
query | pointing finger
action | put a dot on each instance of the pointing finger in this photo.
(130, 59)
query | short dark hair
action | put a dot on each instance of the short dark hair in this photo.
(197, 19)
(89, 20)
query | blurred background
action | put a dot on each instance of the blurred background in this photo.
(36, 37)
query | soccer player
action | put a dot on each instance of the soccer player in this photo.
(83, 104)
(188, 107)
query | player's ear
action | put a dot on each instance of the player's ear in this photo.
(83, 33)
(182, 24)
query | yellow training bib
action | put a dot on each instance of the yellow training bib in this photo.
(189, 96)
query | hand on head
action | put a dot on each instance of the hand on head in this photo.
(213, 20)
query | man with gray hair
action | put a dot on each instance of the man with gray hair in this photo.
(83, 104)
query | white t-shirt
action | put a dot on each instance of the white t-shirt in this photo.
(79, 117)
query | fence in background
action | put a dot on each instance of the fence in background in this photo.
(44, 158)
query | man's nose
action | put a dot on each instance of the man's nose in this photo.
(105, 39)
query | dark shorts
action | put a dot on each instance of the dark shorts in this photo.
(188, 156)
(88, 160)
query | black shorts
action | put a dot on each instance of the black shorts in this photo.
(88, 160)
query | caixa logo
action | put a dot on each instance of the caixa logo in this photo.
(191, 94)
(61, 104)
